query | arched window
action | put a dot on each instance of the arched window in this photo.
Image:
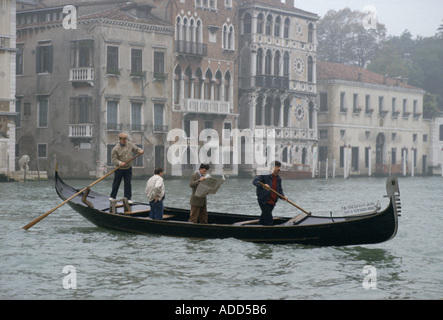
(199, 32)
(286, 64)
(277, 63)
(198, 81)
(268, 111)
(259, 111)
(311, 33)
(247, 23)
(178, 28)
(185, 33)
(188, 83)
(286, 28)
(310, 69)
(277, 110)
(259, 63)
(269, 25)
(268, 61)
(277, 26)
(260, 20)
(218, 85)
(311, 115)
(287, 113)
(231, 38)
(177, 79)
(227, 86)
(208, 84)
(225, 37)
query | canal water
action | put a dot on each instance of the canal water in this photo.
(65, 250)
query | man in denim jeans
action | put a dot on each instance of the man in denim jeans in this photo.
(120, 155)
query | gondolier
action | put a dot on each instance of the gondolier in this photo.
(267, 199)
(120, 156)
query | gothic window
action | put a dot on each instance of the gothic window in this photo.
(260, 21)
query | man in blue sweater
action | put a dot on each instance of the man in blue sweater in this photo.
(266, 198)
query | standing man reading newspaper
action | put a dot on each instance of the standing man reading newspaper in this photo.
(199, 212)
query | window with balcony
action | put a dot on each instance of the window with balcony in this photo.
(80, 117)
(228, 40)
(82, 60)
(189, 36)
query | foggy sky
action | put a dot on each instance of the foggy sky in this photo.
(420, 17)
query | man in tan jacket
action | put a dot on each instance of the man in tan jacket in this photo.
(199, 212)
(120, 155)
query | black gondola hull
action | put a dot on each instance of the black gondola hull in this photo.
(372, 228)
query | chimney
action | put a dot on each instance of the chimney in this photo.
(290, 3)
(360, 75)
(385, 79)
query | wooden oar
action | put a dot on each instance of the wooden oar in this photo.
(29, 225)
(287, 199)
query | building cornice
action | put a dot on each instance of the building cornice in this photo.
(103, 21)
(283, 11)
(367, 127)
(369, 86)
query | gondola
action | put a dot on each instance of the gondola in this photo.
(369, 228)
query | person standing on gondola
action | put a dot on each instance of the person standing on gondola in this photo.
(199, 212)
(266, 198)
(120, 155)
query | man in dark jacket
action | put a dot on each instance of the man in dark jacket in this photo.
(266, 198)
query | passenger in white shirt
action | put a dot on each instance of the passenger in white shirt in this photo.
(155, 192)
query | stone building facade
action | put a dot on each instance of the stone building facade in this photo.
(84, 80)
(7, 85)
(277, 80)
(369, 124)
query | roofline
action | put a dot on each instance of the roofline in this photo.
(369, 85)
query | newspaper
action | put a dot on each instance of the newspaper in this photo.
(209, 186)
